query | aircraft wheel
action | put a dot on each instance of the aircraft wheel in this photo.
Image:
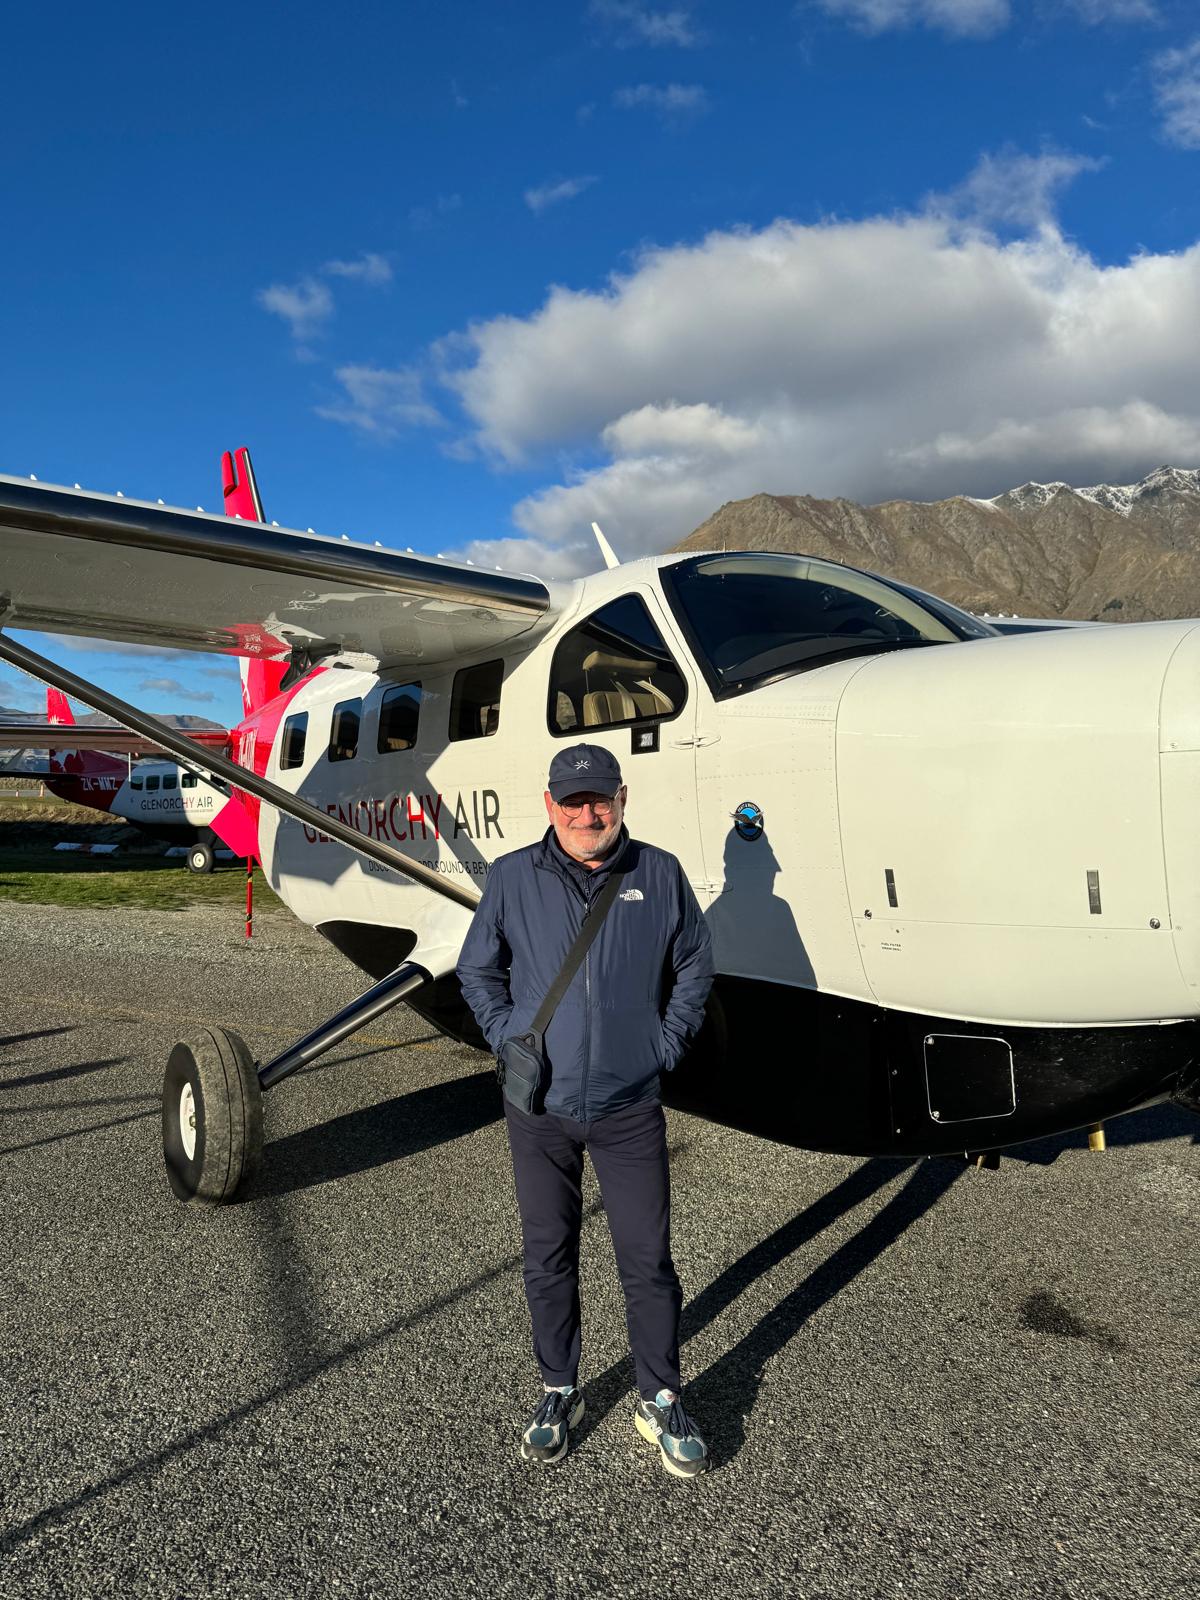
(200, 857)
(212, 1119)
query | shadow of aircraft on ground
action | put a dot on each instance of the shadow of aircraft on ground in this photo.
(378, 1134)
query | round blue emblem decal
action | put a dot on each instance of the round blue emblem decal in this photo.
(748, 821)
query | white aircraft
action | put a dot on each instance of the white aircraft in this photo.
(953, 879)
(157, 797)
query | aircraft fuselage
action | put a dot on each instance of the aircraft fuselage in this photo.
(954, 894)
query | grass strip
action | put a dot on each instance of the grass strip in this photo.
(75, 880)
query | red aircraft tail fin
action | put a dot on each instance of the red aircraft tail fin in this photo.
(58, 708)
(241, 489)
(260, 679)
(72, 766)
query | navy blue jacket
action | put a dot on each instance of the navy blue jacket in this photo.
(637, 1000)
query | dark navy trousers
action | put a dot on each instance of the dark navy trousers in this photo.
(629, 1152)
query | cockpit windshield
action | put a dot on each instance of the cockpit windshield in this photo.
(756, 616)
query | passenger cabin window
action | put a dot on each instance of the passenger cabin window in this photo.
(152, 783)
(188, 780)
(136, 783)
(343, 735)
(613, 669)
(291, 748)
(475, 701)
(399, 713)
(169, 780)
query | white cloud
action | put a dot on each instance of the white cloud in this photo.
(532, 556)
(669, 101)
(1177, 90)
(19, 694)
(305, 306)
(421, 218)
(634, 24)
(173, 686)
(308, 305)
(1013, 190)
(655, 429)
(912, 356)
(1067, 444)
(960, 18)
(370, 268)
(1095, 12)
(381, 401)
(552, 194)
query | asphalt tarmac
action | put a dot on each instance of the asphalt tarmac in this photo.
(917, 1379)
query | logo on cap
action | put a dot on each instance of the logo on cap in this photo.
(582, 766)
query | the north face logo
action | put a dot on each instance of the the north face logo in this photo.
(633, 894)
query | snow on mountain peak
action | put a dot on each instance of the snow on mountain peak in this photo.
(1122, 497)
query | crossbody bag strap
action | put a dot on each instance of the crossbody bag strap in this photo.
(596, 914)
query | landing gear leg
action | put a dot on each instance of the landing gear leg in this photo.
(212, 1116)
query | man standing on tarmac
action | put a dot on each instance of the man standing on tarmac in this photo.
(628, 1014)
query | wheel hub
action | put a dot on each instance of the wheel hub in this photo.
(187, 1122)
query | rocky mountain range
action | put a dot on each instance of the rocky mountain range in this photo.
(14, 762)
(1114, 553)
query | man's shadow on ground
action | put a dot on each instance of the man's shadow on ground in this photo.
(723, 1396)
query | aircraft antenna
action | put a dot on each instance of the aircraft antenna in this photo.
(606, 550)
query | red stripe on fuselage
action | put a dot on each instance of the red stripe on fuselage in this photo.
(254, 737)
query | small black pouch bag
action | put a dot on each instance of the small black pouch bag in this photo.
(521, 1063)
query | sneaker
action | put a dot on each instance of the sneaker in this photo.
(664, 1422)
(549, 1431)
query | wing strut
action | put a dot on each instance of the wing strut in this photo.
(197, 759)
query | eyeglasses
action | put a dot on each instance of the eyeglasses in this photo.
(573, 808)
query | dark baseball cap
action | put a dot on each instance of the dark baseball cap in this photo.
(583, 769)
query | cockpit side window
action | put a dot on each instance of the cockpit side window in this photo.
(343, 732)
(291, 747)
(753, 617)
(136, 783)
(612, 670)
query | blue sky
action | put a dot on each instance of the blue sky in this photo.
(465, 275)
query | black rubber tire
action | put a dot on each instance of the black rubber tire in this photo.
(200, 857)
(227, 1104)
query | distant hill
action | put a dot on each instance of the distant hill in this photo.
(97, 719)
(1115, 553)
(14, 762)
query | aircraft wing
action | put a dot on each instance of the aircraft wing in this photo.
(104, 567)
(113, 741)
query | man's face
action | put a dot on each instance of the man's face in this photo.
(586, 833)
